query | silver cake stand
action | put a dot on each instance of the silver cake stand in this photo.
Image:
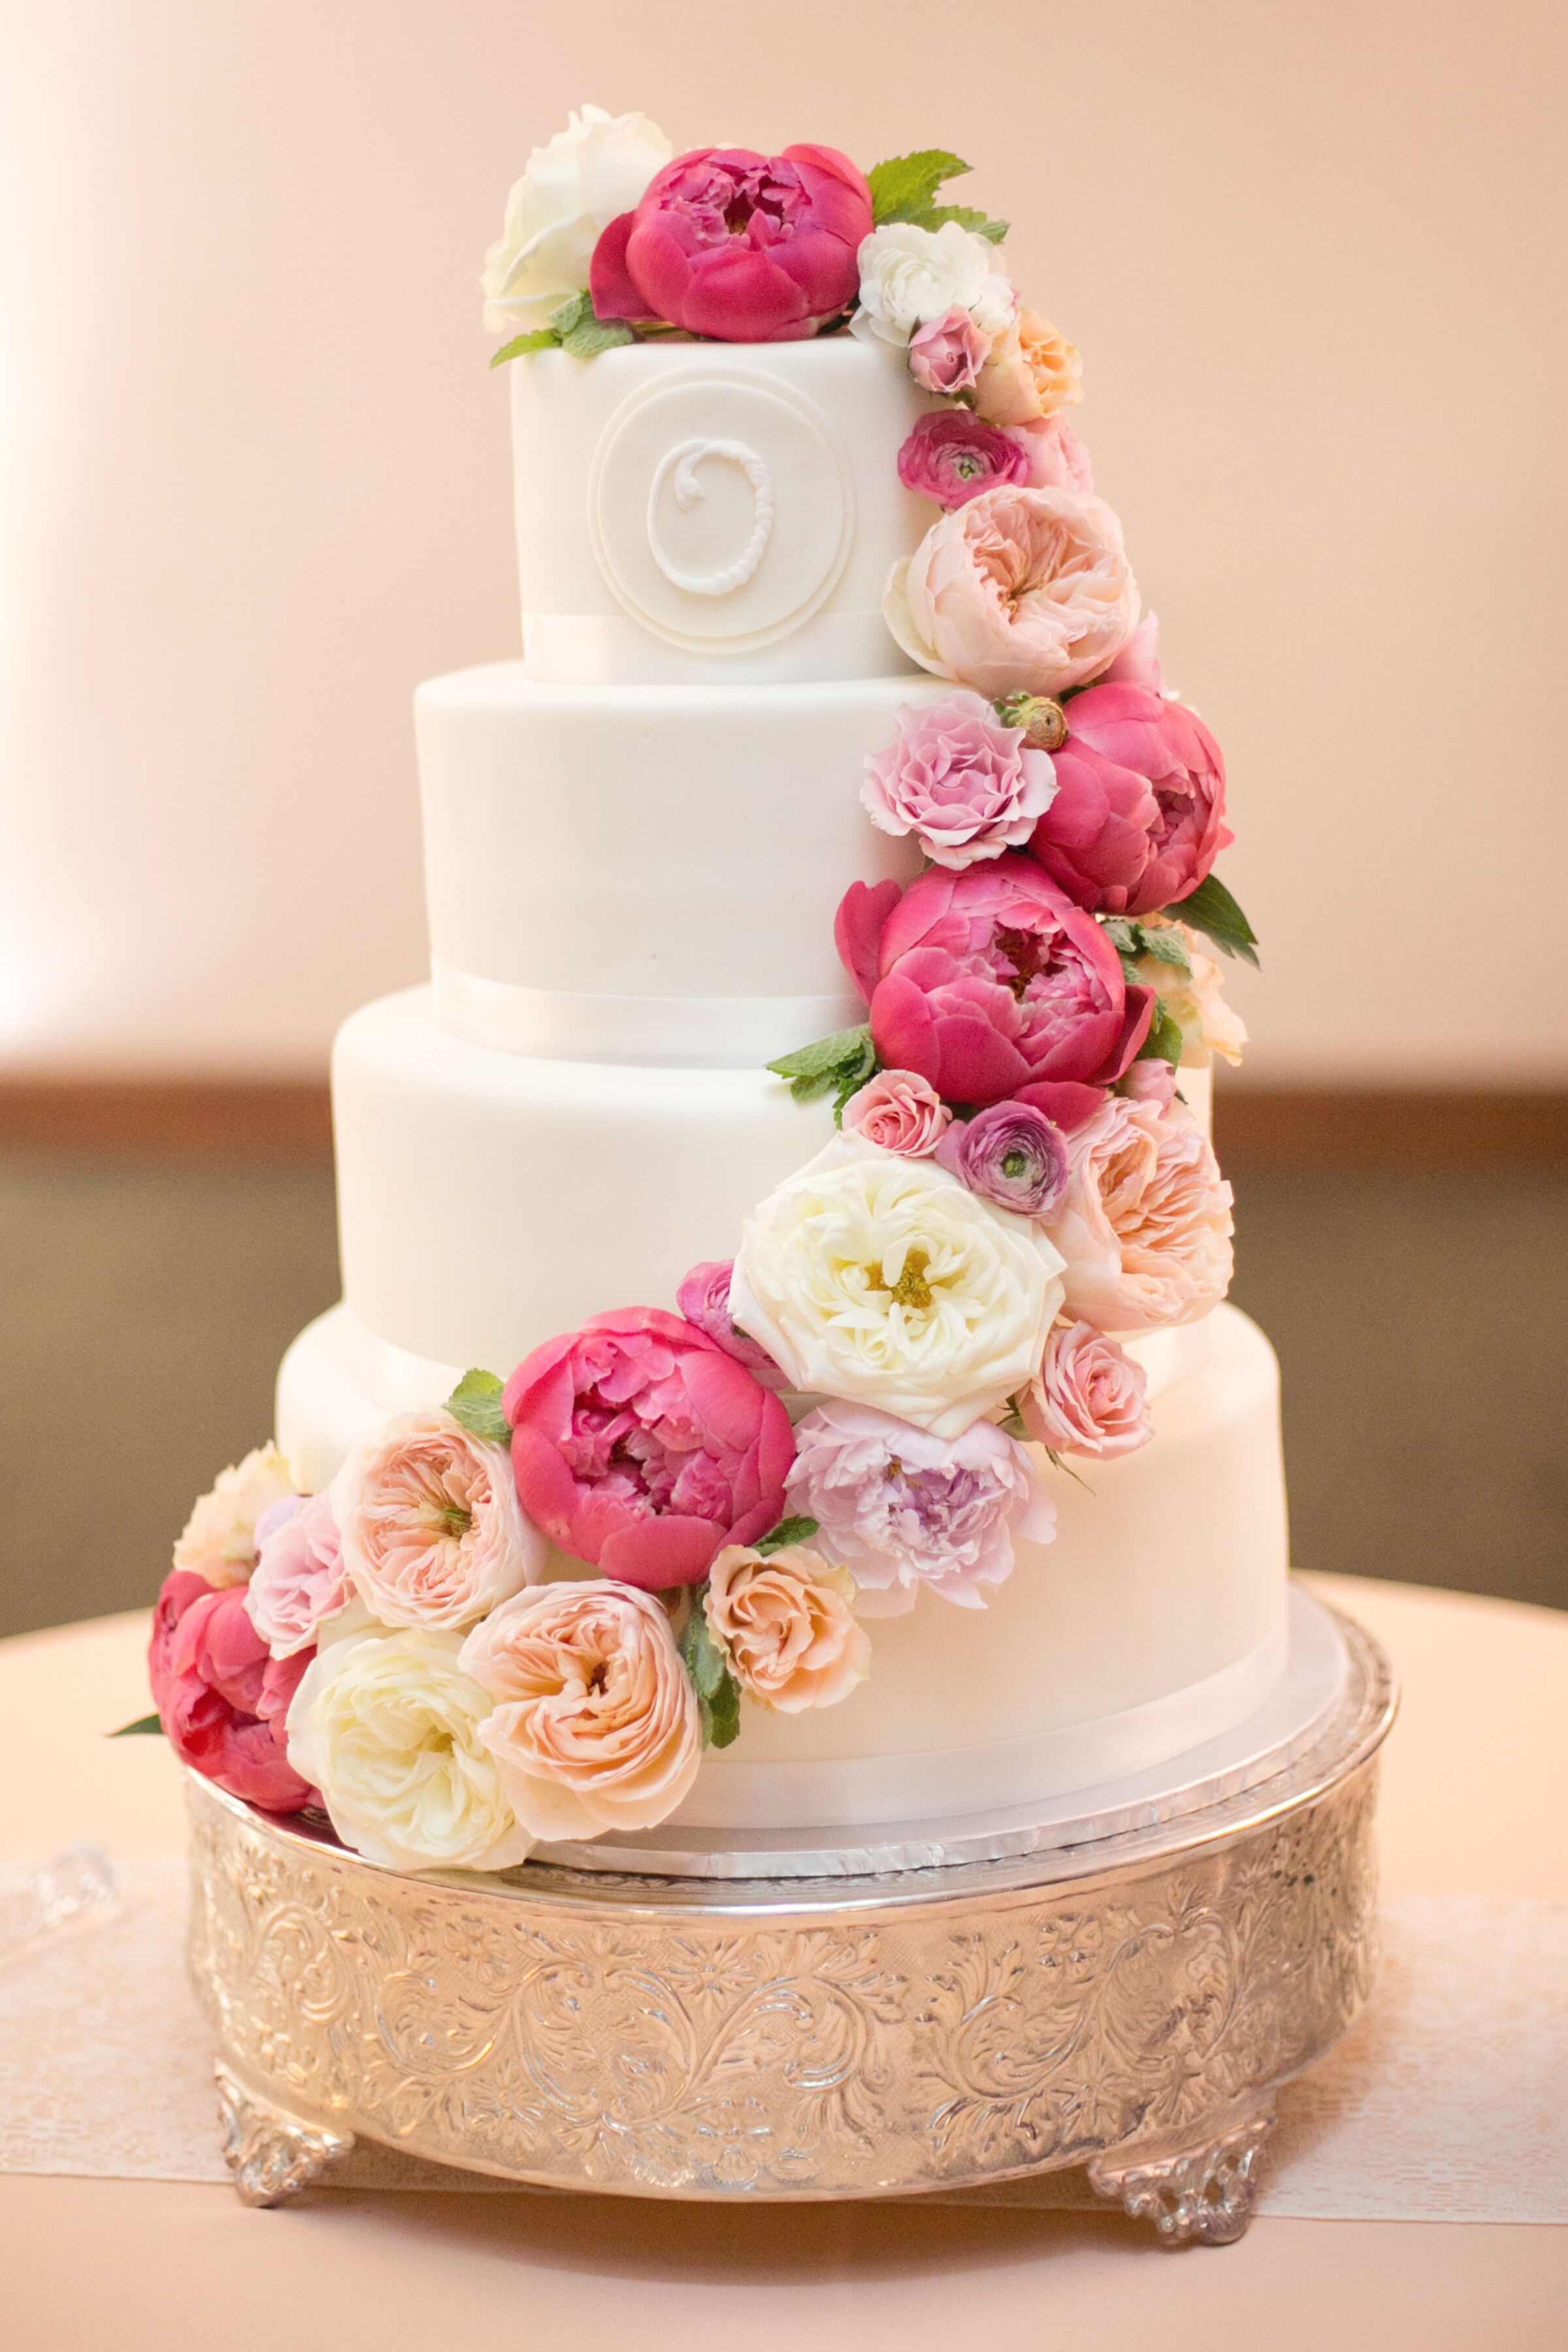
(1130, 2002)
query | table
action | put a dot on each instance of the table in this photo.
(1475, 1801)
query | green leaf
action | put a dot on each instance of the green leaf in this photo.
(840, 1064)
(1164, 943)
(907, 185)
(788, 1531)
(1210, 908)
(718, 1695)
(538, 339)
(1163, 1043)
(1123, 936)
(145, 1724)
(573, 312)
(980, 224)
(595, 335)
(1013, 1424)
(476, 1403)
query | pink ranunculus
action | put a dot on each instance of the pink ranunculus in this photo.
(897, 1111)
(1054, 458)
(1088, 1396)
(1137, 815)
(950, 457)
(221, 1699)
(299, 1579)
(742, 247)
(1016, 591)
(987, 982)
(703, 1298)
(947, 355)
(965, 785)
(1011, 1154)
(641, 1447)
(1144, 1224)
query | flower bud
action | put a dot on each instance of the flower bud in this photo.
(1041, 717)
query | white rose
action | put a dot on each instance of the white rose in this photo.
(388, 1728)
(218, 1540)
(1195, 1000)
(910, 276)
(885, 1280)
(571, 190)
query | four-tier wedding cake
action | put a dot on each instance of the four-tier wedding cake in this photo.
(782, 1387)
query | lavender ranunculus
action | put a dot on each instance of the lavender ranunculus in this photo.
(965, 785)
(1011, 1154)
(951, 457)
(903, 1510)
(703, 1298)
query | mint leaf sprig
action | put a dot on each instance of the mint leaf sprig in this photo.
(574, 329)
(838, 1065)
(476, 1403)
(1210, 908)
(718, 1693)
(788, 1531)
(905, 188)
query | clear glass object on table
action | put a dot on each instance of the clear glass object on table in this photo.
(39, 1900)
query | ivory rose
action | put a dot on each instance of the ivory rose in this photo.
(432, 1531)
(911, 278)
(1144, 1225)
(218, 1541)
(883, 1279)
(387, 1726)
(1030, 371)
(703, 1300)
(1138, 816)
(965, 785)
(571, 190)
(946, 353)
(950, 457)
(1087, 1397)
(1195, 1000)
(641, 1447)
(899, 1111)
(786, 1626)
(220, 1698)
(300, 1582)
(1016, 591)
(906, 1511)
(594, 1723)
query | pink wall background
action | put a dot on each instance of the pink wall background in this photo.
(254, 473)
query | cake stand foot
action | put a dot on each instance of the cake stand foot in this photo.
(272, 2155)
(1200, 2190)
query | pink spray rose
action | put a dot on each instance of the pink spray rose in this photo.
(965, 785)
(951, 457)
(1137, 819)
(786, 1626)
(222, 1700)
(897, 1111)
(1054, 456)
(947, 355)
(903, 1509)
(300, 1579)
(989, 982)
(1016, 591)
(1088, 1396)
(433, 1535)
(746, 249)
(1011, 1154)
(1144, 1224)
(703, 1298)
(641, 1447)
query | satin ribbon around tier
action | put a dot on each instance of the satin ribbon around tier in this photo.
(600, 649)
(556, 1024)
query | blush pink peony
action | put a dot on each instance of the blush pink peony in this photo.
(299, 1580)
(743, 247)
(1138, 816)
(897, 1111)
(703, 1300)
(221, 1699)
(1017, 592)
(965, 785)
(432, 1532)
(786, 1626)
(950, 457)
(641, 1447)
(1088, 1396)
(989, 982)
(1054, 456)
(947, 355)
(1144, 1225)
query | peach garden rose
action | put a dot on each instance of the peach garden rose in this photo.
(1031, 372)
(432, 1532)
(1144, 1224)
(786, 1626)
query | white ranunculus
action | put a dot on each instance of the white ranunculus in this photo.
(388, 1728)
(910, 276)
(589, 175)
(885, 1280)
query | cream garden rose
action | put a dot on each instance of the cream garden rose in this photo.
(591, 172)
(593, 1720)
(786, 1626)
(432, 1531)
(218, 1541)
(884, 1279)
(909, 277)
(387, 1727)
(1144, 1224)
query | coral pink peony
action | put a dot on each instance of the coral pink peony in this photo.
(1144, 1225)
(786, 1627)
(1054, 456)
(1088, 1396)
(1137, 819)
(222, 1700)
(967, 786)
(300, 1579)
(897, 1111)
(746, 249)
(947, 353)
(989, 982)
(1016, 591)
(641, 1447)
(703, 1298)
(950, 457)
(432, 1532)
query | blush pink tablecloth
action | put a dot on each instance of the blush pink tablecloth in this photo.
(1475, 1801)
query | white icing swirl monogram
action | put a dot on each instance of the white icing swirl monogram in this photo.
(682, 462)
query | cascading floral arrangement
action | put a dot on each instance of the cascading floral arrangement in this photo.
(941, 1294)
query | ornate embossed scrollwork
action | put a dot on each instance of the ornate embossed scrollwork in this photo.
(271, 2156)
(678, 467)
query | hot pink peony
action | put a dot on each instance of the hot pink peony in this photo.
(1144, 1224)
(1088, 1396)
(1137, 819)
(899, 1112)
(965, 785)
(640, 1446)
(746, 249)
(950, 457)
(299, 1579)
(990, 981)
(1017, 592)
(1054, 456)
(221, 1698)
(703, 1298)
(947, 355)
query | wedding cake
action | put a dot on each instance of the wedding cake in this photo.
(783, 1386)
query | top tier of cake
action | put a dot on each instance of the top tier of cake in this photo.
(711, 513)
